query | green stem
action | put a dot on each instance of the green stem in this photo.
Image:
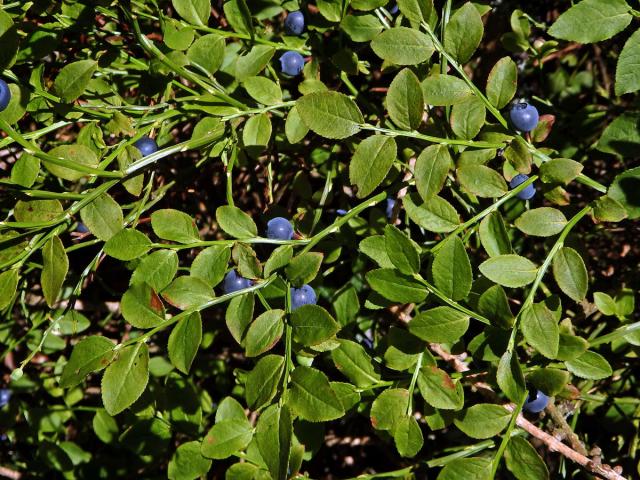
(615, 335)
(412, 385)
(262, 41)
(507, 435)
(485, 212)
(452, 303)
(543, 270)
(494, 111)
(432, 139)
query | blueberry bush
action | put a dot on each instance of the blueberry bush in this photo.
(273, 239)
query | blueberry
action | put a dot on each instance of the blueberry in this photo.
(146, 145)
(304, 295)
(294, 23)
(5, 396)
(279, 228)
(5, 95)
(234, 282)
(394, 9)
(536, 402)
(341, 212)
(524, 117)
(529, 191)
(291, 63)
(81, 228)
(391, 203)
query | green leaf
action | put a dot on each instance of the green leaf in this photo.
(443, 90)
(560, 170)
(73, 154)
(279, 258)
(303, 268)
(510, 377)
(103, 217)
(257, 132)
(312, 324)
(550, 380)
(625, 189)
(482, 420)
(55, 265)
(439, 325)
(10, 40)
(330, 114)
(494, 304)
(436, 215)
(25, 170)
(264, 333)
(606, 209)
(311, 396)
(571, 347)
(439, 390)
(91, 354)
(262, 381)
(176, 35)
(592, 21)
(541, 222)
(235, 222)
(432, 167)
(207, 52)
(195, 12)
(509, 270)
(184, 341)
(494, 236)
(519, 156)
(396, 287)
(402, 349)
(467, 117)
(571, 274)
(627, 75)
(330, 9)
(294, 127)
(239, 315)
(481, 181)
(127, 244)
(502, 82)
(248, 264)
(622, 137)
(226, 438)
(187, 463)
(142, 307)
(375, 248)
(263, 90)
(476, 468)
(354, 362)
(589, 365)
(254, 62)
(274, 433)
(17, 104)
(371, 163)
(156, 269)
(463, 33)
(404, 100)
(104, 426)
(211, 264)
(73, 79)
(403, 252)
(540, 329)
(126, 378)
(37, 210)
(523, 460)
(170, 224)
(388, 408)
(416, 10)
(361, 28)
(403, 46)
(188, 292)
(8, 287)
(408, 436)
(451, 269)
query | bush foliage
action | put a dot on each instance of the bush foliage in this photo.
(459, 264)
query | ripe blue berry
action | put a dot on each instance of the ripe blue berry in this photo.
(394, 9)
(529, 191)
(291, 63)
(5, 396)
(81, 228)
(341, 212)
(524, 117)
(5, 95)
(536, 402)
(234, 282)
(294, 23)
(391, 203)
(146, 145)
(279, 228)
(304, 295)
